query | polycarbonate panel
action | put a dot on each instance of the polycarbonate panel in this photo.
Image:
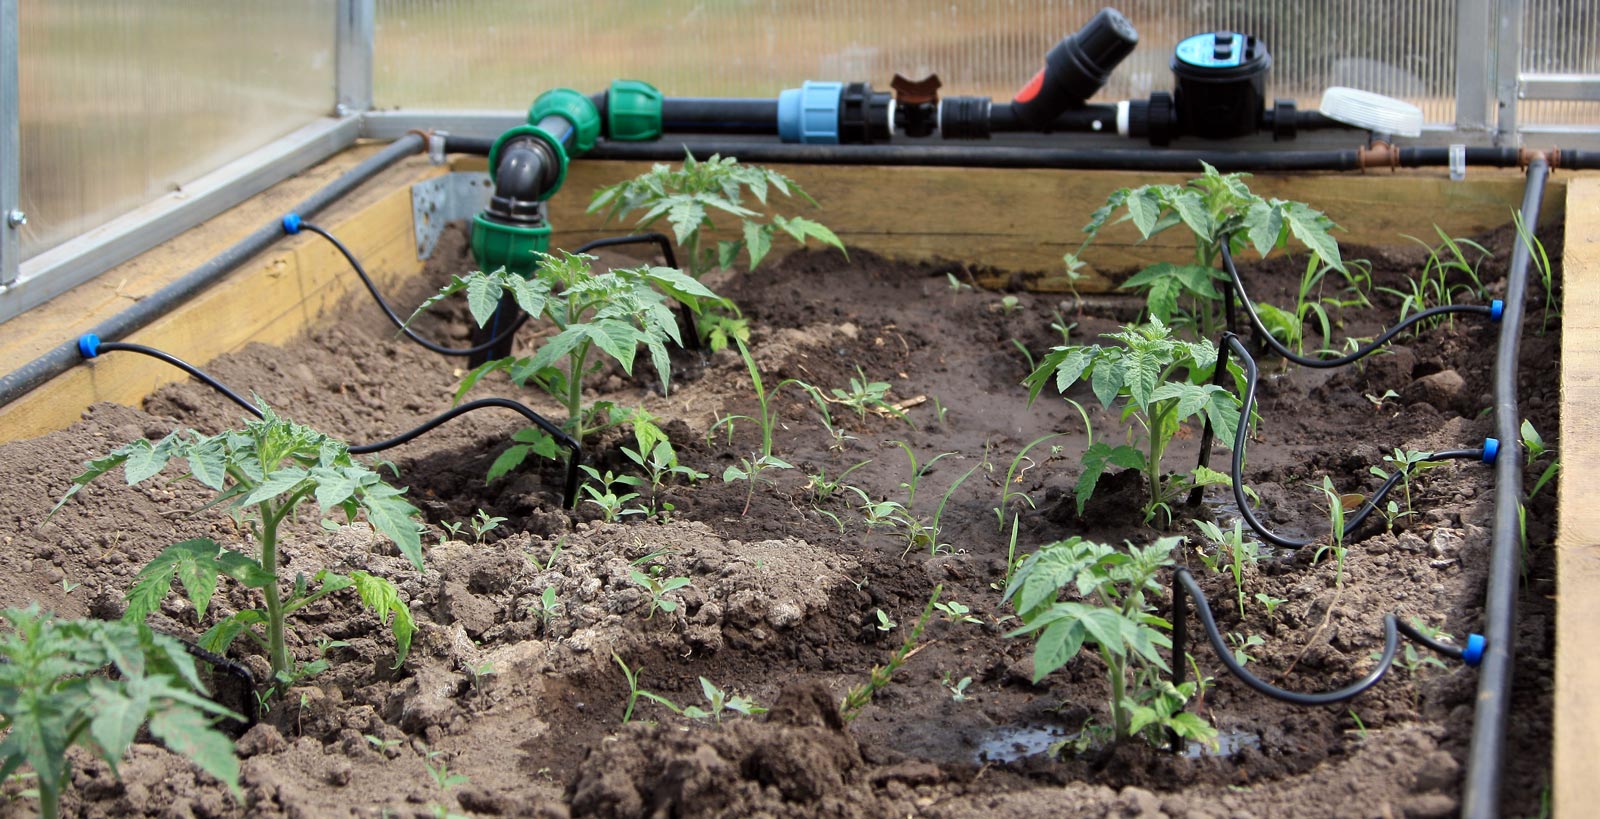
(124, 101)
(1560, 37)
(500, 54)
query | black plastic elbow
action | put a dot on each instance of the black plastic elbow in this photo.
(526, 173)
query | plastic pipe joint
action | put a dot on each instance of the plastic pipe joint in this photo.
(553, 158)
(573, 107)
(810, 114)
(633, 111)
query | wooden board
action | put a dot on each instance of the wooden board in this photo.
(1577, 698)
(269, 299)
(1023, 221)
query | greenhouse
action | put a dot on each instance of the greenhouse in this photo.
(1004, 408)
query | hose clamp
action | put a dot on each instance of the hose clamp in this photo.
(1458, 163)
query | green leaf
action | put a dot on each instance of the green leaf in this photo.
(383, 599)
(193, 562)
(394, 516)
(686, 216)
(219, 637)
(618, 339)
(1057, 645)
(1263, 223)
(276, 483)
(1144, 205)
(116, 717)
(508, 460)
(1191, 208)
(758, 238)
(1311, 228)
(1104, 627)
(1107, 379)
(727, 253)
(208, 462)
(334, 486)
(188, 732)
(483, 297)
(145, 460)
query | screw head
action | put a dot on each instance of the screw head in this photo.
(341, 110)
(16, 218)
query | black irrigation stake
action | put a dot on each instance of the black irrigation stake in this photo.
(233, 669)
(90, 346)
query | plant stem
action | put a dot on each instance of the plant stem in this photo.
(1119, 688)
(277, 652)
(577, 361)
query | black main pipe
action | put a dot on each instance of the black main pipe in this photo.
(1485, 760)
(713, 115)
(991, 156)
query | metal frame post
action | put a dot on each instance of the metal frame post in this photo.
(1508, 68)
(353, 49)
(1474, 68)
(12, 217)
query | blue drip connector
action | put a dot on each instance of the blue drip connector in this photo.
(291, 223)
(88, 345)
(1473, 653)
(1497, 308)
(810, 114)
(1491, 449)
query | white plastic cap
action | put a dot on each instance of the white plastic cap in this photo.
(1372, 112)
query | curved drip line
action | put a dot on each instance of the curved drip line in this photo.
(574, 461)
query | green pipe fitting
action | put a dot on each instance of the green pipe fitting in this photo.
(572, 107)
(537, 133)
(633, 111)
(495, 245)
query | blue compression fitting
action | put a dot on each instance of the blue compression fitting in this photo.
(88, 345)
(810, 114)
(291, 223)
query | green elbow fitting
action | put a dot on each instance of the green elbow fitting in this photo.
(573, 107)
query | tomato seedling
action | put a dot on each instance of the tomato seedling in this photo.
(1143, 374)
(1115, 616)
(264, 473)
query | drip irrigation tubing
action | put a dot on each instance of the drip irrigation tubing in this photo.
(233, 669)
(1266, 337)
(1231, 342)
(90, 347)
(1485, 759)
(1185, 589)
(1494, 650)
(296, 225)
(394, 318)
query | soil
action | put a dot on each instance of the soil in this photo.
(785, 589)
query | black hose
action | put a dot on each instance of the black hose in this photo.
(472, 145)
(715, 115)
(1184, 587)
(1231, 343)
(196, 372)
(569, 493)
(1485, 764)
(233, 669)
(1278, 347)
(658, 239)
(569, 496)
(395, 319)
(994, 156)
(61, 358)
